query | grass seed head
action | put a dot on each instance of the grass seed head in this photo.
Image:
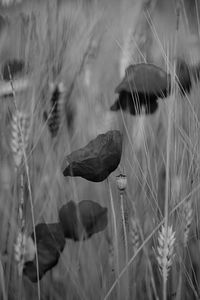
(54, 118)
(19, 136)
(187, 219)
(135, 238)
(165, 250)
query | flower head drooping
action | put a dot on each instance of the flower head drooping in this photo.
(165, 250)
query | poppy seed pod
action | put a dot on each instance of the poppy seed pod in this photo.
(97, 159)
(121, 182)
(141, 87)
(50, 243)
(80, 221)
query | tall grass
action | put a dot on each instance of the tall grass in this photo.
(87, 46)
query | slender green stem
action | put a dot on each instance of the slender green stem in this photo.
(124, 227)
(115, 236)
(169, 131)
(147, 239)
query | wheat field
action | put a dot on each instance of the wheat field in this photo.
(150, 247)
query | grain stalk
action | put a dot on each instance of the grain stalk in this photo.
(187, 220)
(145, 241)
(165, 249)
(135, 237)
(124, 227)
(29, 188)
(167, 230)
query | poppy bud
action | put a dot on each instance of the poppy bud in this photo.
(121, 182)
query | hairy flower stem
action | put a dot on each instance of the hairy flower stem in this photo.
(124, 227)
(115, 236)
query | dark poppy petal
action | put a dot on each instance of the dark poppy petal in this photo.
(97, 159)
(127, 103)
(140, 89)
(70, 222)
(93, 216)
(50, 243)
(81, 221)
(186, 74)
(183, 76)
(146, 79)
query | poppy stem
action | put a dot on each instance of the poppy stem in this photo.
(114, 223)
(124, 227)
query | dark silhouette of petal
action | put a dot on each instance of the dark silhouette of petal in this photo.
(93, 216)
(12, 67)
(134, 105)
(70, 222)
(97, 159)
(186, 74)
(140, 89)
(50, 243)
(80, 221)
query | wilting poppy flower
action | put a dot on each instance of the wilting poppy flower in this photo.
(97, 159)
(50, 243)
(80, 221)
(12, 68)
(141, 87)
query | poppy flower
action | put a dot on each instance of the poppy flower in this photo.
(185, 75)
(141, 87)
(80, 221)
(12, 68)
(97, 159)
(50, 243)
